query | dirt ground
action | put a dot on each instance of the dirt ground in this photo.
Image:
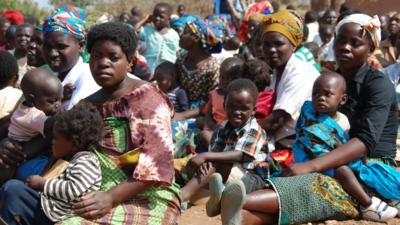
(196, 215)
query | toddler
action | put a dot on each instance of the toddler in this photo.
(76, 133)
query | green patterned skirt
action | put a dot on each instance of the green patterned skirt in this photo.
(155, 206)
(312, 197)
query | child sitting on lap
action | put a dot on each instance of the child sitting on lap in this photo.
(75, 134)
(321, 128)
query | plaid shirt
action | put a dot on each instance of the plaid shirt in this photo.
(250, 139)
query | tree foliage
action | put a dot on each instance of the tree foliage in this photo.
(27, 7)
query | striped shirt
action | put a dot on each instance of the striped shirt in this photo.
(83, 175)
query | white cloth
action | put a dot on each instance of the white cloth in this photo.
(326, 53)
(81, 77)
(312, 31)
(26, 123)
(317, 40)
(370, 24)
(224, 54)
(295, 86)
(343, 122)
(9, 98)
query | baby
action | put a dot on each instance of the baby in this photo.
(321, 128)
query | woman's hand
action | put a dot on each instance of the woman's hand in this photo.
(297, 169)
(11, 154)
(93, 205)
(36, 182)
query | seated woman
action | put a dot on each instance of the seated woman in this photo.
(136, 115)
(372, 111)
(287, 200)
(292, 79)
(64, 38)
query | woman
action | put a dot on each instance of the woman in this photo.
(298, 199)
(292, 79)
(198, 70)
(64, 41)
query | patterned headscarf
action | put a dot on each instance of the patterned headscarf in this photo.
(370, 24)
(209, 34)
(69, 20)
(288, 23)
(259, 8)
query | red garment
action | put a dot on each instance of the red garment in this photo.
(265, 103)
(284, 157)
(14, 16)
(258, 7)
(216, 101)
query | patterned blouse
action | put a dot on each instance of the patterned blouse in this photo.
(198, 83)
(141, 118)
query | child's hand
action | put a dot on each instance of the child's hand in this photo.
(206, 169)
(68, 90)
(194, 163)
(36, 182)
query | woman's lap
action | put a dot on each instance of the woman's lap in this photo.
(17, 199)
(312, 197)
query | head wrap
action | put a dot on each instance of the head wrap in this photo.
(259, 8)
(182, 21)
(209, 34)
(286, 22)
(370, 24)
(69, 20)
(14, 16)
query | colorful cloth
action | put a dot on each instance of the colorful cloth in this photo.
(210, 35)
(372, 25)
(255, 9)
(199, 82)
(69, 20)
(184, 134)
(141, 119)
(311, 198)
(318, 134)
(288, 23)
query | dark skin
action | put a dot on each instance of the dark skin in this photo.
(35, 56)
(109, 66)
(195, 57)
(348, 45)
(278, 50)
(239, 107)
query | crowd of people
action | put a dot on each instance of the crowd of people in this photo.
(283, 120)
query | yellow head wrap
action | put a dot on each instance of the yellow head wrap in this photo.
(288, 23)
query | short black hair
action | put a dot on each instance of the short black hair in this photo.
(83, 124)
(164, 5)
(11, 33)
(257, 71)
(169, 67)
(120, 33)
(235, 67)
(240, 85)
(311, 16)
(25, 25)
(8, 68)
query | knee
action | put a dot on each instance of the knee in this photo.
(11, 189)
(342, 171)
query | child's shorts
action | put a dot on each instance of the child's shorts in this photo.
(253, 182)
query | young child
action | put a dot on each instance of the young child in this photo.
(325, 53)
(166, 77)
(42, 92)
(259, 72)
(9, 95)
(214, 112)
(162, 42)
(238, 149)
(75, 134)
(321, 128)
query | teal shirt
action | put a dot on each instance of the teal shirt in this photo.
(159, 47)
